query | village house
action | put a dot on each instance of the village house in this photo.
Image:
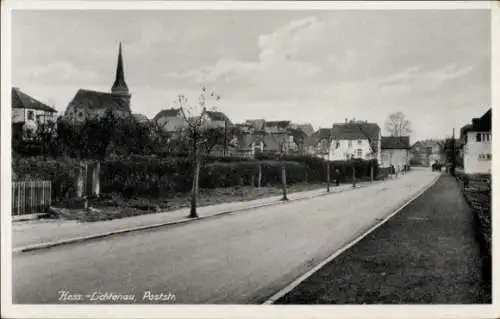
(318, 144)
(306, 128)
(273, 127)
(395, 152)
(477, 145)
(28, 113)
(170, 120)
(87, 104)
(355, 139)
(427, 152)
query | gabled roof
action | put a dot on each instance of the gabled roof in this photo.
(395, 142)
(306, 128)
(22, 100)
(96, 100)
(256, 124)
(482, 124)
(217, 116)
(428, 143)
(356, 131)
(168, 113)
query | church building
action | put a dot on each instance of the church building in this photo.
(87, 104)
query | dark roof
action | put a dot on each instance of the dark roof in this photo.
(306, 128)
(256, 124)
(482, 124)
(298, 134)
(395, 142)
(282, 124)
(272, 141)
(96, 100)
(318, 136)
(22, 100)
(217, 116)
(119, 86)
(356, 131)
(168, 113)
(428, 143)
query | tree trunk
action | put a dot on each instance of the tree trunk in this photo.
(196, 172)
(283, 181)
(194, 191)
(328, 176)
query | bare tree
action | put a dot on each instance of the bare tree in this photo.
(398, 125)
(197, 128)
(283, 149)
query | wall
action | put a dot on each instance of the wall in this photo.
(396, 157)
(18, 115)
(345, 149)
(173, 124)
(477, 155)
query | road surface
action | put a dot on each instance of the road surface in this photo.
(234, 259)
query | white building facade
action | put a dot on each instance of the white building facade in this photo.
(477, 153)
(477, 150)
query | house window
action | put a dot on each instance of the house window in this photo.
(360, 152)
(349, 143)
(338, 145)
(478, 137)
(31, 115)
(359, 142)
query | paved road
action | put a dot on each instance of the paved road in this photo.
(240, 258)
(427, 254)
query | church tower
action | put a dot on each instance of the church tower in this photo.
(119, 91)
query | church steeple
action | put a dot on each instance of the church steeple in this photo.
(120, 87)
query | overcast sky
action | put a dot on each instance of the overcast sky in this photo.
(315, 67)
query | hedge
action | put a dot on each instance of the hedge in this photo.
(155, 176)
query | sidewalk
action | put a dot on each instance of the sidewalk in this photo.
(40, 232)
(426, 254)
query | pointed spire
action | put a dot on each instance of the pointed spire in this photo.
(120, 87)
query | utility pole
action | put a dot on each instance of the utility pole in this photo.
(328, 162)
(283, 172)
(453, 162)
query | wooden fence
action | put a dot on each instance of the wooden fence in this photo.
(30, 197)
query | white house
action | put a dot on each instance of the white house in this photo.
(170, 120)
(355, 140)
(28, 113)
(477, 147)
(395, 152)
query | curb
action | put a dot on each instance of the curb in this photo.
(281, 293)
(181, 221)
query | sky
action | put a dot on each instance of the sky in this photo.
(317, 67)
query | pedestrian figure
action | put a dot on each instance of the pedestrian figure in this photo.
(337, 177)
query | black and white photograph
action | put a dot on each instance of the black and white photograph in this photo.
(287, 157)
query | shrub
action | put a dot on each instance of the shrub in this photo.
(155, 176)
(62, 173)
